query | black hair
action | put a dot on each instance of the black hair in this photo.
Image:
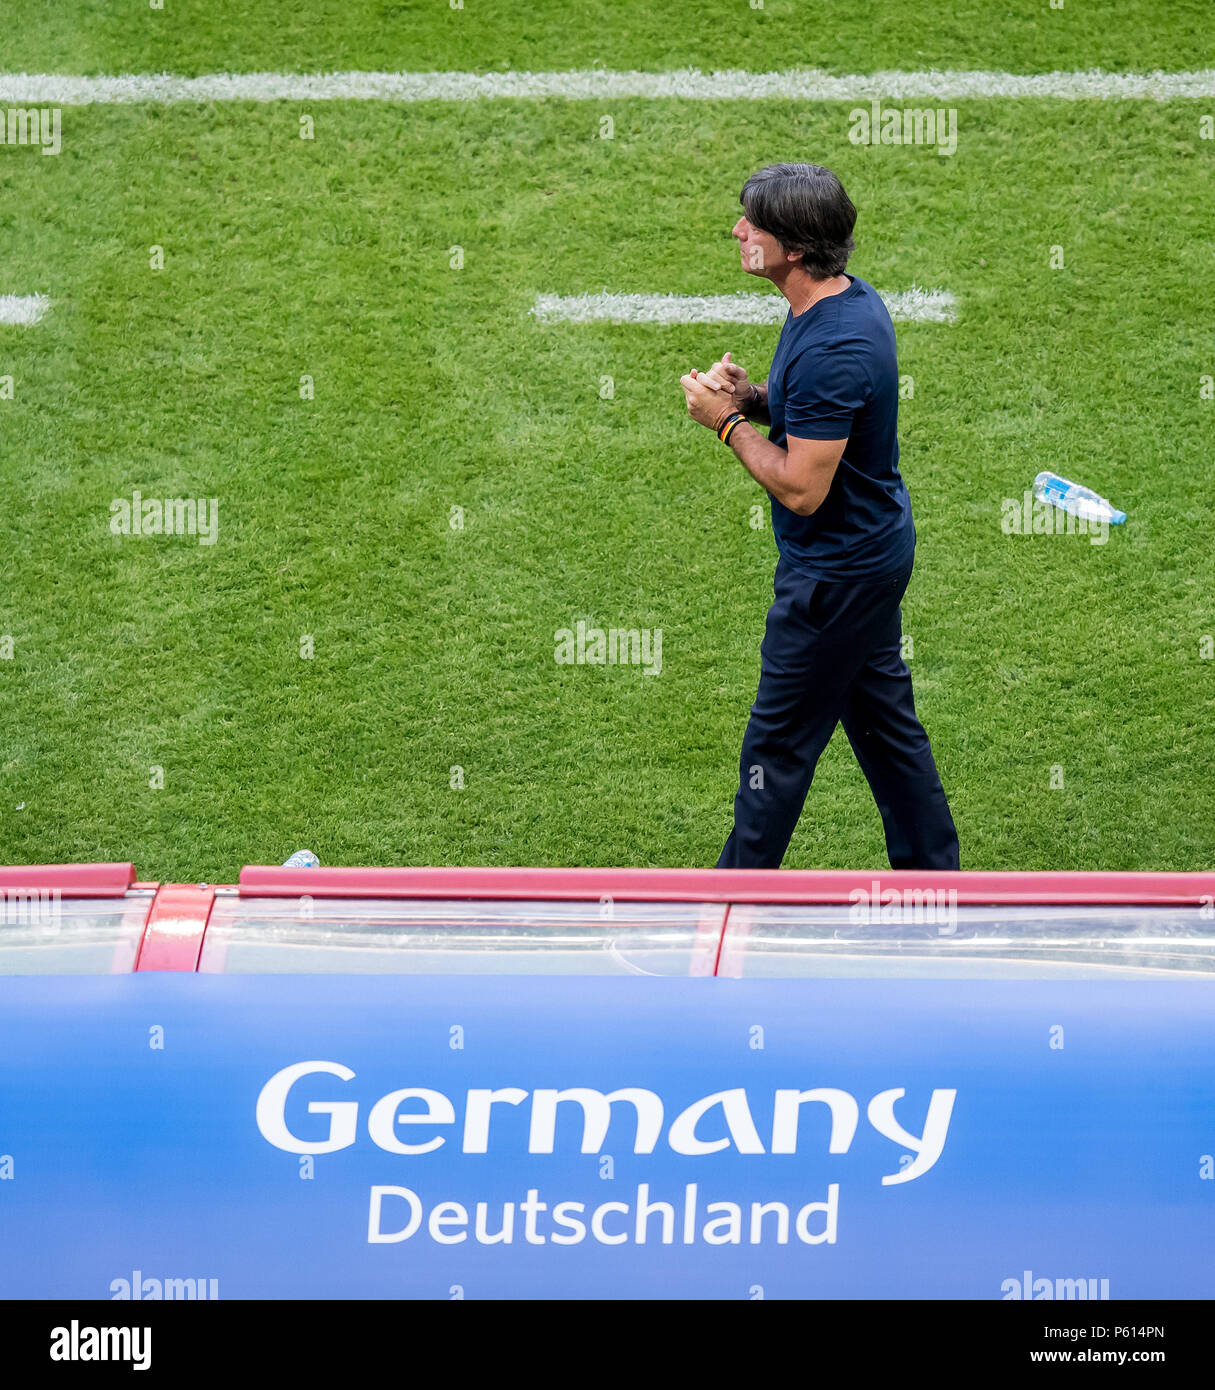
(805, 208)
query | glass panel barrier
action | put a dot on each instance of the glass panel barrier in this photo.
(44, 934)
(454, 937)
(935, 940)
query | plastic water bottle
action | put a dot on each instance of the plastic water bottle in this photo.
(1079, 501)
(302, 859)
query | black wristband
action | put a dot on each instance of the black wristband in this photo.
(729, 425)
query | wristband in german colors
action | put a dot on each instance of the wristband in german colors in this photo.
(728, 426)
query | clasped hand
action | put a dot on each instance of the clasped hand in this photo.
(717, 393)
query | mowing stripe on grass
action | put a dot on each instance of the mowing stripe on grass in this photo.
(910, 306)
(23, 308)
(796, 84)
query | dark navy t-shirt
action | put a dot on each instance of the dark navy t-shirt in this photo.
(835, 374)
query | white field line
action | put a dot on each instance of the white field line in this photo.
(796, 84)
(23, 308)
(909, 306)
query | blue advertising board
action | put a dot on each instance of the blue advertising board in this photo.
(178, 1136)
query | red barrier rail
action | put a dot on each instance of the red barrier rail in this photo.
(732, 885)
(176, 924)
(173, 933)
(72, 880)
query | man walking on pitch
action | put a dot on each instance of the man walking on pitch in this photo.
(842, 521)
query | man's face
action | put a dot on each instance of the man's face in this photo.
(760, 252)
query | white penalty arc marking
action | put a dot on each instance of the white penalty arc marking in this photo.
(908, 306)
(23, 308)
(731, 84)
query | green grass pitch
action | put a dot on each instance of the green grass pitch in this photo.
(1036, 659)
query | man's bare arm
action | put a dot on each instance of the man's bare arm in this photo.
(799, 477)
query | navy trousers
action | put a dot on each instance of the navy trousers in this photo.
(832, 654)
